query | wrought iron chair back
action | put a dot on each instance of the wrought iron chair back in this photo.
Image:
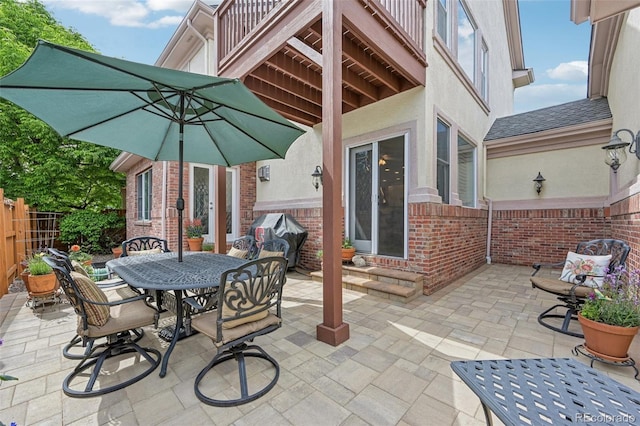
(571, 296)
(247, 243)
(276, 245)
(132, 313)
(144, 244)
(249, 305)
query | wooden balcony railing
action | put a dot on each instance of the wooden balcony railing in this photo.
(237, 18)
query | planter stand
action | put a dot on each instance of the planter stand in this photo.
(621, 362)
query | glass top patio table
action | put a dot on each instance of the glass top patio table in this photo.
(558, 391)
(162, 271)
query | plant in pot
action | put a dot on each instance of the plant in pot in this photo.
(319, 256)
(41, 280)
(208, 247)
(76, 253)
(610, 316)
(194, 230)
(348, 250)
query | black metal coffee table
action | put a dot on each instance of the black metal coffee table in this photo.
(558, 391)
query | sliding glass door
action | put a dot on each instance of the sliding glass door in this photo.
(377, 197)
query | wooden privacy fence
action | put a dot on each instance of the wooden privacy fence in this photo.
(22, 232)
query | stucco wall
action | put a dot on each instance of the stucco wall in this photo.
(624, 88)
(569, 173)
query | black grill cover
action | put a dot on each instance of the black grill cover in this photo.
(280, 225)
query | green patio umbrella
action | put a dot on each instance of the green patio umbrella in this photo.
(157, 113)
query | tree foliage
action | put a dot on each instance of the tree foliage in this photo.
(51, 173)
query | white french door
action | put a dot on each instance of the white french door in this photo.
(377, 219)
(203, 203)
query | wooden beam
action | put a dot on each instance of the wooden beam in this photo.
(352, 51)
(289, 84)
(305, 50)
(332, 330)
(361, 23)
(270, 36)
(278, 95)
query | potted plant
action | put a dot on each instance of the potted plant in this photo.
(348, 250)
(194, 230)
(208, 247)
(41, 280)
(610, 316)
(117, 251)
(319, 256)
(78, 255)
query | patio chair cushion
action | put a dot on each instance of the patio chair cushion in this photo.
(266, 253)
(228, 311)
(77, 266)
(97, 315)
(156, 250)
(242, 254)
(206, 323)
(581, 264)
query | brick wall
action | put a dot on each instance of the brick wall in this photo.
(625, 225)
(522, 237)
(446, 242)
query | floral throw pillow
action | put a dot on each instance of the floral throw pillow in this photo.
(581, 264)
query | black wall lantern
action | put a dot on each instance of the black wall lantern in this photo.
(316, 177)
(615, 150)
(538, 182)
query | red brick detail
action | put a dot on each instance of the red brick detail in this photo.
(625, 225)
(522, 237)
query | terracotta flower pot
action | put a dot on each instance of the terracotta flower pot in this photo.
(195, 244)
(348, 253)
(39, 285)
(606, 341)
(117, 251)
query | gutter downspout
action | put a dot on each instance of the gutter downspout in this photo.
(490, 218)
(489, 225)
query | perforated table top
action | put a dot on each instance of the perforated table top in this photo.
(558, 391)
(163, 271)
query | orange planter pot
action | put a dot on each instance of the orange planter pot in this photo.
(195, 244)
(348, 253)
(40, 285)
(117, 251)
(606, 341)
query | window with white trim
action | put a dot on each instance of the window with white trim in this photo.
(144, 195)
(459, 33)
(466, 172)
(442, 167)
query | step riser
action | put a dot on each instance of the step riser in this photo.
(399, 286)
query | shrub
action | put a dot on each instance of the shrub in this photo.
(91, 230)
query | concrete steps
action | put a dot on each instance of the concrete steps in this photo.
(386, 283)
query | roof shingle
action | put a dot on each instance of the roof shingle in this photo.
(564, 115)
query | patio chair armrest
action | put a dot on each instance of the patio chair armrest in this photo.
(191, 301)
(538, 266)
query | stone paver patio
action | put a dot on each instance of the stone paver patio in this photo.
(394, 370)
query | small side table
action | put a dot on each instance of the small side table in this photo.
(558, 391)
(630, 362)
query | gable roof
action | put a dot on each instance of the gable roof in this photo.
(564, 115)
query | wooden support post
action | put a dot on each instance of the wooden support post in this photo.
(332, 330)
(220, 208)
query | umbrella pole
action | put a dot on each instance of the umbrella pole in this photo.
(180, 200)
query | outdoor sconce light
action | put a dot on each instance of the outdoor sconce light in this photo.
(538, 182)
(316, 177)
(615, 153)
(264, 173)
